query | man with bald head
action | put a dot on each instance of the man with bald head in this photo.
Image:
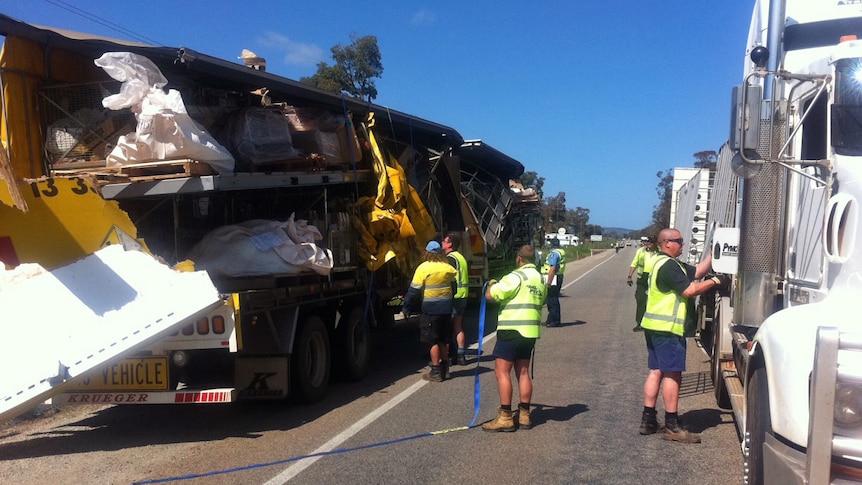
(669, 312)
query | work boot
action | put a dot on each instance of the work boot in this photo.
(674, 432)
(638, 328)
(444, 369)
(434, 375)
(503, 422)
(462, 359)
(649, 424)
(524, 418)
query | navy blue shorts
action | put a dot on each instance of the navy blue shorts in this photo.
(666, 351)
(519, 348)
(435, 329)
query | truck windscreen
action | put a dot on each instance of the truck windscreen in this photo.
(847, 110)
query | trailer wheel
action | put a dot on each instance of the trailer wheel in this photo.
(354, 342)
(311, 360)
(757, 425)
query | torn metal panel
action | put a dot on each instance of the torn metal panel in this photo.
(485, 157)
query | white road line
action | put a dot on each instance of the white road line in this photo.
(297, 467)
(330, 445)
(588, 272)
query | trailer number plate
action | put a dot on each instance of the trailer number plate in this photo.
(138, 374)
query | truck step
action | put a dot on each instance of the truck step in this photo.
(737, 395)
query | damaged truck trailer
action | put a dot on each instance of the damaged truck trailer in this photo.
(296, 202)
(307, 209)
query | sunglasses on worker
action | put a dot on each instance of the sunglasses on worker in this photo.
(678, 240)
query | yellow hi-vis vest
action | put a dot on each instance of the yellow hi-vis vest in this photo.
(665, 312)
(461, 275)
(650, 257)
(645, 259)
(546, 267)
(639, 260)
(523, 311)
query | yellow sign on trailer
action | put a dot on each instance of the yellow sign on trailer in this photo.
(67, 220)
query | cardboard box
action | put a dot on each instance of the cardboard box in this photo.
(323, 143)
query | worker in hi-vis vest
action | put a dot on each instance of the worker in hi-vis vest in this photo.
(451, 243)
(553, 271)
(521, 294)
(669, 319)
(642, 263)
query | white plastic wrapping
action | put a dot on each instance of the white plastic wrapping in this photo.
(165, 131)
(262, 247)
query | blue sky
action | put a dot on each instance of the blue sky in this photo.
(596, 97)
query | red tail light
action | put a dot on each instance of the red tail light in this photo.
(218, 324)
(203, 326)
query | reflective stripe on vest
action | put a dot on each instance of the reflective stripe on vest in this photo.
(665, 311)
(523, 312)
(461, 275)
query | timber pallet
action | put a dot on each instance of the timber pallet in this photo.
(162, 169)
(166, 169)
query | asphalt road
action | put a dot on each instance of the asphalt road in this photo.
(393, 427)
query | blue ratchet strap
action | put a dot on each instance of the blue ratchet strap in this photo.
(477, 387)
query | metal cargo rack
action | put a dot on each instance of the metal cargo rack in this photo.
(77, 127)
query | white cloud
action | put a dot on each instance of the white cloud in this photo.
(424, 17)
(295, 53)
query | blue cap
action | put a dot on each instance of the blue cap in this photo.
(433, 247)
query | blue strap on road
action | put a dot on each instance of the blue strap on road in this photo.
(476, 406)
(288, 460)
(477, 387)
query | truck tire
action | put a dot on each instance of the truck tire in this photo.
(354, 344)
(757, 425)
(310, 363)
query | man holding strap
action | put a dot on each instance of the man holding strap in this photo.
(521, 295)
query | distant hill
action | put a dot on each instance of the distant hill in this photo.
(607, 231)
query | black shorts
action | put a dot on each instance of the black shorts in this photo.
(458, 307)
(435, 329)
